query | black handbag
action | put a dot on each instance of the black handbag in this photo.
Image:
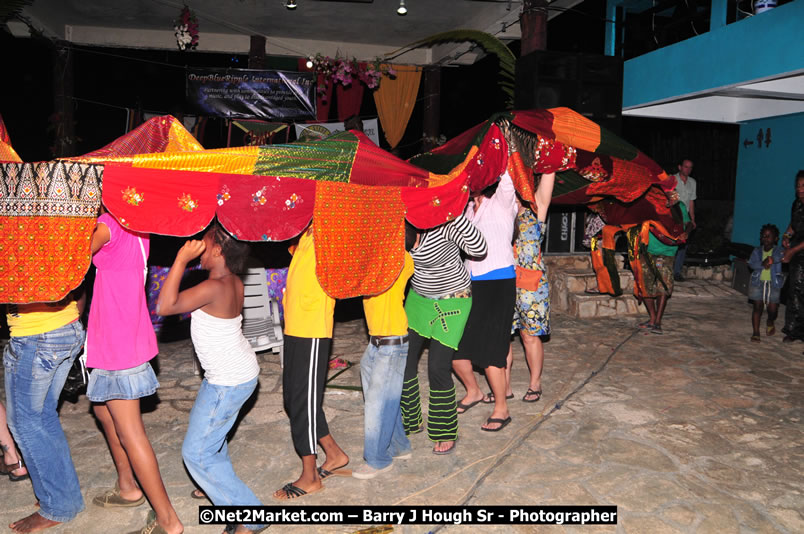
(76, 379)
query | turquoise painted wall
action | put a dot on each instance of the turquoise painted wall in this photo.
(765, 176)
(762, 46)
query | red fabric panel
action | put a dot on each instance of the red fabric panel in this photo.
(429, 207)
(374, 166)
(489, 162)
(156, 201)
(349, 99)
(265, 208)
(460, 144)
(628, 182)
(539, 121)
(152, 136)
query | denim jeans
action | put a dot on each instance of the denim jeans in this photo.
(381, 371)
(681, 257)
(205, 450)
(36, 368)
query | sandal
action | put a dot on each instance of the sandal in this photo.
(447, 451)
(755, 338)
(10, 468)
(489, 398)
(771, 330)
(337, 472)
(294, 492)
(198, 494)
(112, 499)
(463, 408)
(492, 420)
(531, 393)
(645, 325)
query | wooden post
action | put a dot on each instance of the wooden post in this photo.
(432, 106)
(256, 53)
(64, 142)
(534, 26)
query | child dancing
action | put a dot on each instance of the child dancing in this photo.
(230, 365)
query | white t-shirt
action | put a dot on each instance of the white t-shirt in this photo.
(686, 192)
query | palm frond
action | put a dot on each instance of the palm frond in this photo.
(486, 41)
(10, 8)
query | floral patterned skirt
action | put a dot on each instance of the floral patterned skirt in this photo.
(532, 310)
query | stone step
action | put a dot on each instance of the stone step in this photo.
(580, 281)
(587, 306)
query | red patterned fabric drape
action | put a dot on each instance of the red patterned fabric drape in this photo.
(350, 98)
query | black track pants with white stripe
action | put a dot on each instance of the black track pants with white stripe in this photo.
(303, 379)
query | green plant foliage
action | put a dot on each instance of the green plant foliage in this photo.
(486, 41)
(10, 8)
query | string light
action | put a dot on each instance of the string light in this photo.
(402, 10)
(290, 4)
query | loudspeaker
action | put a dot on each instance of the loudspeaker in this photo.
(590, 84)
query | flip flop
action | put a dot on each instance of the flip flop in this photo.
(645, 325)
(295, 492)
(466, 407)
(337, 472)
(490, 399)
(502, 422)
(756, 339)
(530, 393)
(657, 329)
(198, 494)
(447, 451)
(771, 330)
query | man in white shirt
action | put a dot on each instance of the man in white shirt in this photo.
(686, 189)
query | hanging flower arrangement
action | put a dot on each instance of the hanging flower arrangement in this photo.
(186, 30)
(344, 71)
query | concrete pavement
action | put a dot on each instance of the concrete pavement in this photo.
(693, 431)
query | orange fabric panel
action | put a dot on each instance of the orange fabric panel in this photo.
(395, 99)
(575, 130)
(349, 220)
(604, 284)
(43, 258)
(522, 176)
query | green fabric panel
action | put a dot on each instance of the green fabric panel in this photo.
(567, 182)
(329, 159)
(610, 262)
(657, 247)
(613, 145)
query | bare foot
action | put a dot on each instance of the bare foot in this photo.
(32, 523)
(335, 461)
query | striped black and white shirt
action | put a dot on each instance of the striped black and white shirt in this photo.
(438, 268)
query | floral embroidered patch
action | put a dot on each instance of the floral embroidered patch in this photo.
(259, 199)
(291, 202)
(224, 195)
(131, 196)
(187, 203)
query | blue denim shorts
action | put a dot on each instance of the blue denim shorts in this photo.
(763, 292)
(129, 384)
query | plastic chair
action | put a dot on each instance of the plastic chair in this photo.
(261, 324)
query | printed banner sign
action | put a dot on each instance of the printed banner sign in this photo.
(248, 94)
(320, 130)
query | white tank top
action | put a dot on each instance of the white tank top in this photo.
(224, 353)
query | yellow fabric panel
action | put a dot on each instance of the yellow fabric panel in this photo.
(38, 318)
(395, 99)
(236, 160)
(7, 153)
(385, 313)
(180, 140)
(308, 310)
(574, 129)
